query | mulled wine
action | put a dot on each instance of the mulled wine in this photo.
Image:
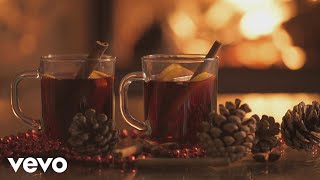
(62, 98)
(175, 109)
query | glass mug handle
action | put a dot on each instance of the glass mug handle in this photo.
(123, 93)
(35, 123)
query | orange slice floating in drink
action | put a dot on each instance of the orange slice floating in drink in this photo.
(202, 76)
(49, 76)
(97, 75)
(174, 71)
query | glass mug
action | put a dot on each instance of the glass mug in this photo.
(63, 94)
(174, 105)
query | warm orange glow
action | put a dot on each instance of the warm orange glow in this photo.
(27, 44)
(252, 28)
(313, 1)
(219, 14)
(269, 103)
(281, 39)
(182, 25)
(247, 5)
(257, 54)
(293, 57)
(196, 45)
(260, 22)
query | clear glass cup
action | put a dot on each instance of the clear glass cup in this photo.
(174, 105)
(63, 94)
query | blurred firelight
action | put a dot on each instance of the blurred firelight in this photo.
(27, 44)
(257, 54)
(293, 57)
(182, 25)
(260, 22)
(197, 45)
(252, 28)
(271, 107)
(248, 5)
(219, 14)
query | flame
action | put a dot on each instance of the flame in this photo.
(182, 25)
(281, 39)
(249, 5)
(251, 27)
(293, 57)
(196, 45)
(257, 54)
(219, 14)
(260, 22)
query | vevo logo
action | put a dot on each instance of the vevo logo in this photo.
(30, 164)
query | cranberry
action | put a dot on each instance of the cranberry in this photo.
(143, 156)
(77, 157)
(132, 158)
(7, 153)
(28, 135)
(124, 133)
(97, 159)
(134, 134)
(87, 158)
(110, 157)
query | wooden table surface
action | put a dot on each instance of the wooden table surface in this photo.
(294, 165)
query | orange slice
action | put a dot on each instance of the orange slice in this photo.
(173, 71)
(49, 76)
(97, 75)
(202, 76)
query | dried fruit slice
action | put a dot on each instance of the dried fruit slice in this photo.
(49, 76)
(173, 71)
(202, 76)
(97, 75)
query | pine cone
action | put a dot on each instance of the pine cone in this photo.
(230, 134)
(266, 132)
(300, 128)
(92, 134)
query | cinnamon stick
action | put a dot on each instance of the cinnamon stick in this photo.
(91, 62)
(128, 151)
(211, 54)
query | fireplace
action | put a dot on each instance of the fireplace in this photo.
(268, 44)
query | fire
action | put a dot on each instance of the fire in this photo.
(293, 57)
(257, 54)
(197, 45)
(219, 15)
(259, 22)
(182, 25)
(252, 28)
(248, 5)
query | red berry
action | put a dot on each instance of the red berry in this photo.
(134, 133)
(97, 159)
(132, 158)
(7, 153)
(110, 157)
(87, 158)
(78, 158)
(27, 135)
(124, 133)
